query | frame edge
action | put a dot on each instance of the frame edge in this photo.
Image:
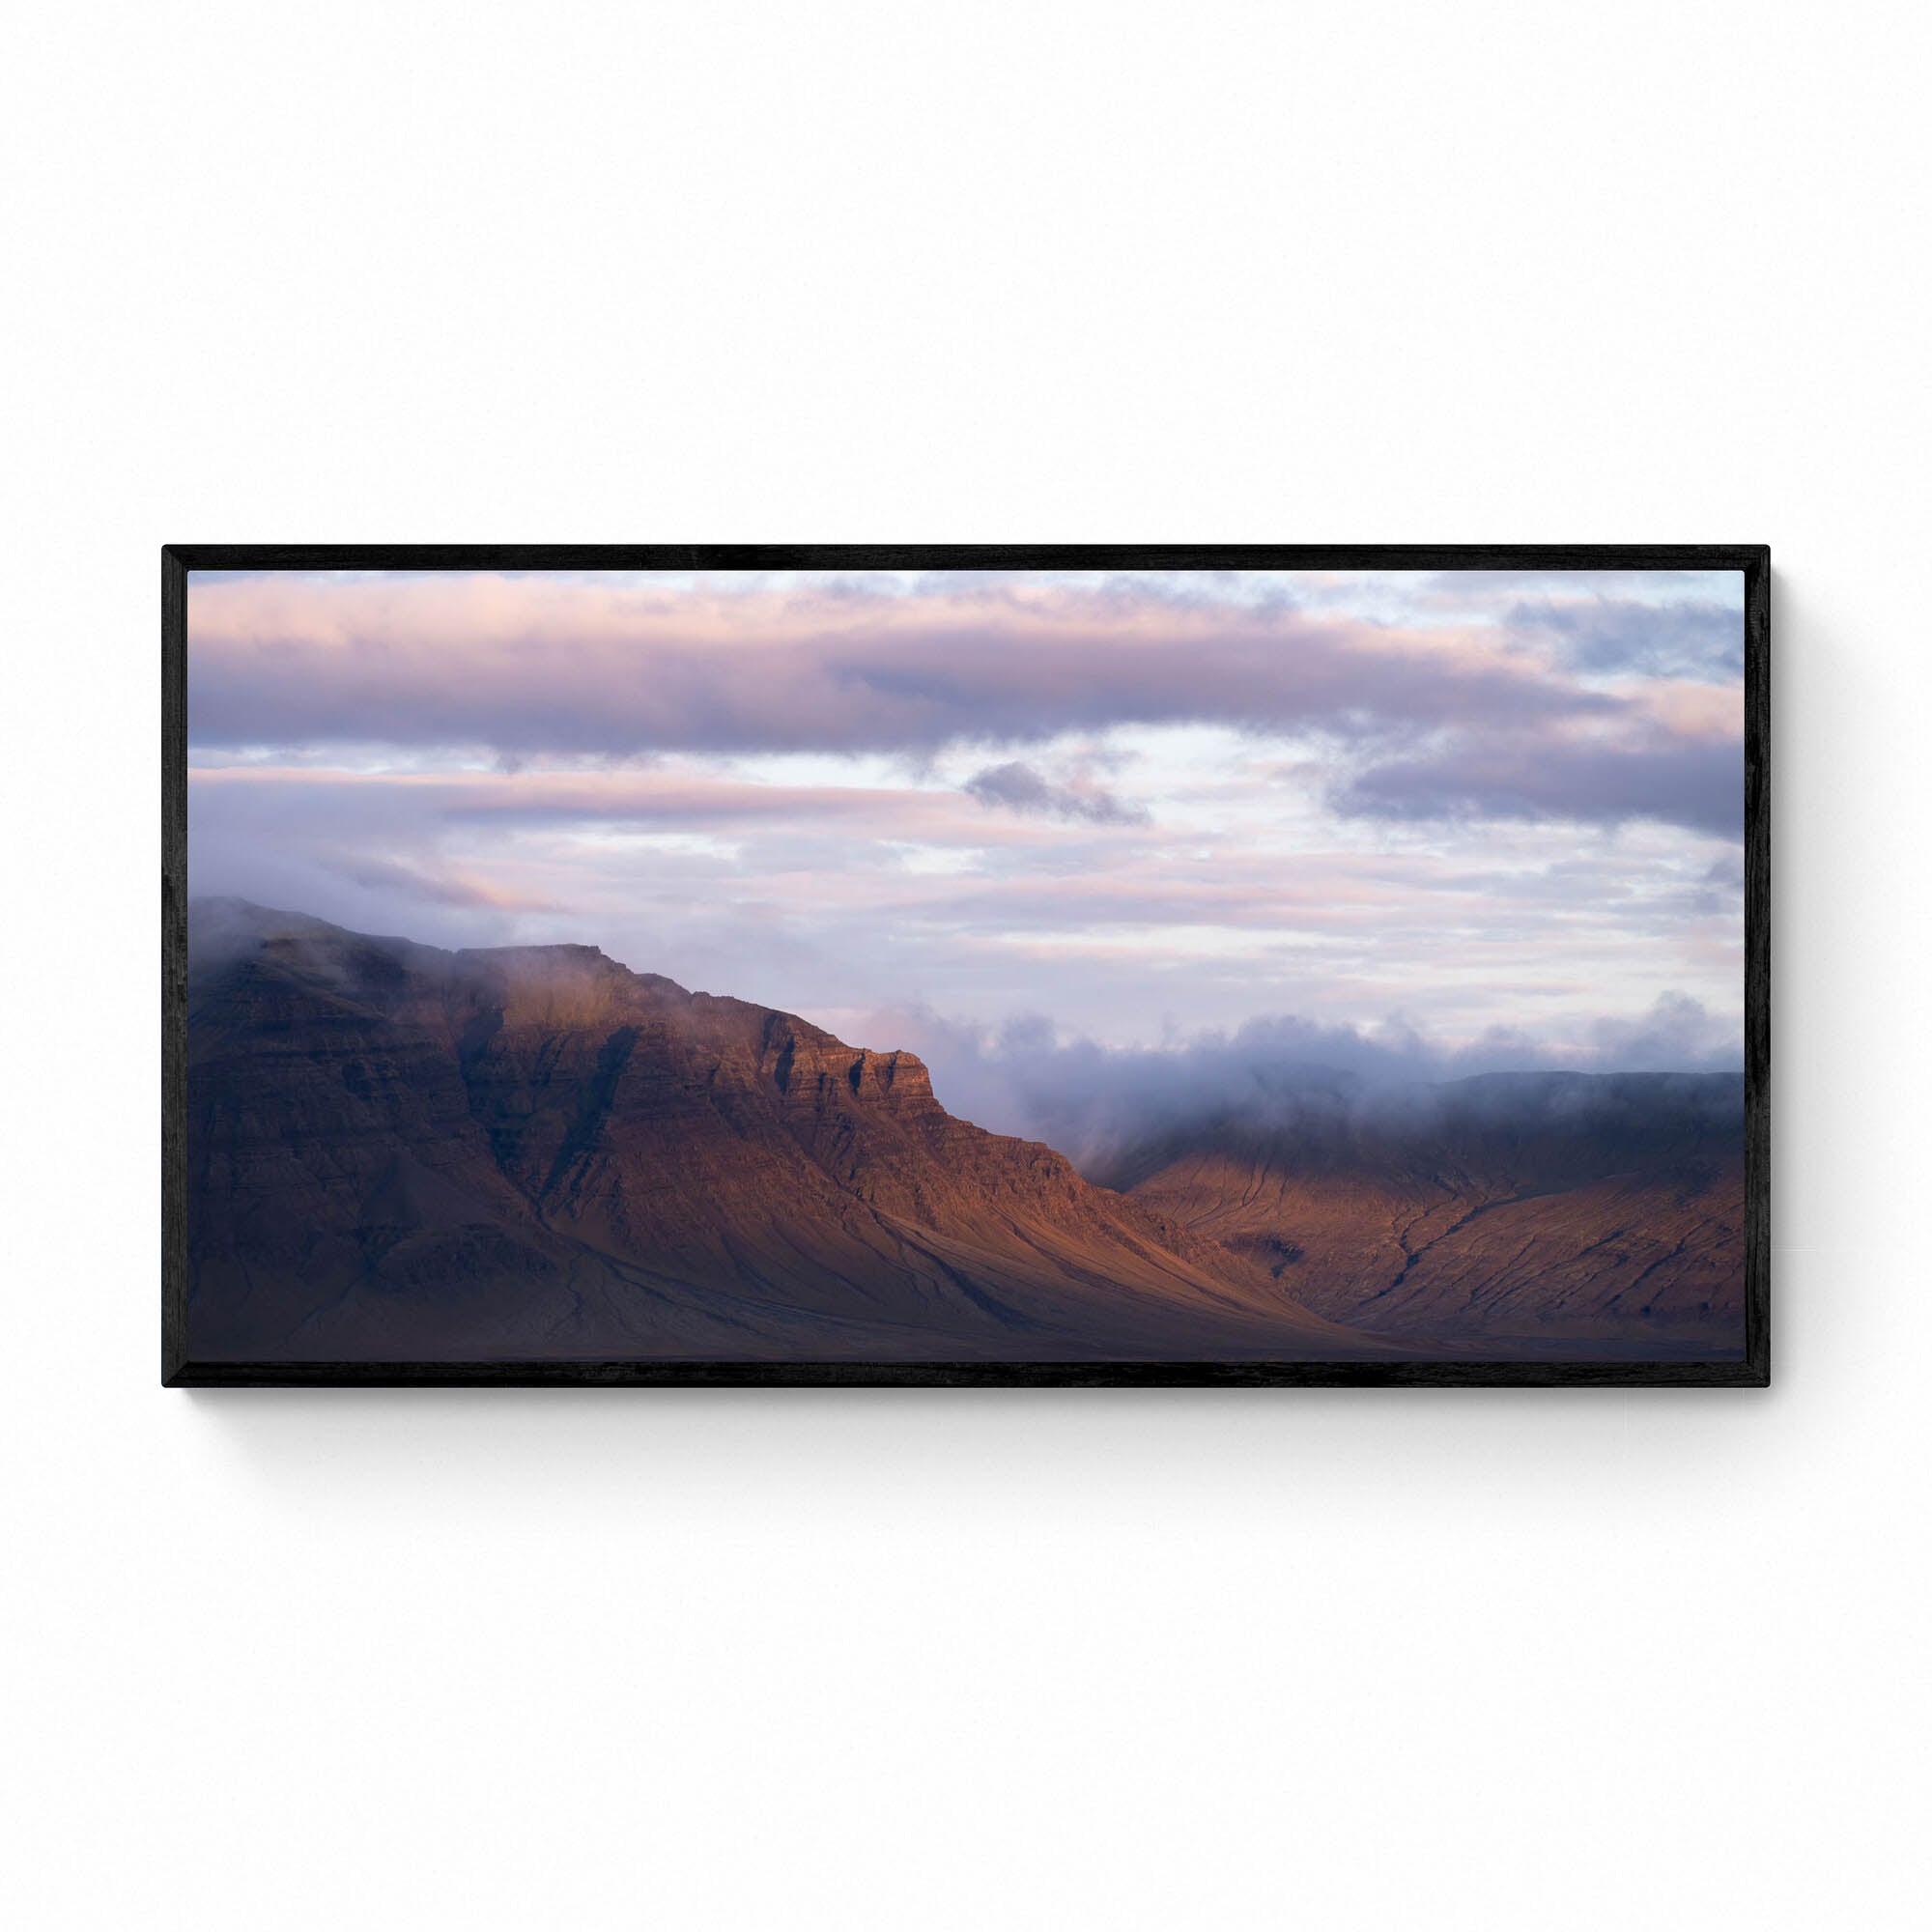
(177, 1369)
(173, 967)
(1757, 964)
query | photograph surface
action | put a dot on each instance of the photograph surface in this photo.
(973, 966)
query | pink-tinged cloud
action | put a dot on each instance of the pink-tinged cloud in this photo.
(536, 665)
(429, 886)
(658, 799)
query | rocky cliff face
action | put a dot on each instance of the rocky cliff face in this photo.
(1511, 1214)
(397, 1152)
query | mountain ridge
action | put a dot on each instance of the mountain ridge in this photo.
(1503, 1208)
(534, 1151)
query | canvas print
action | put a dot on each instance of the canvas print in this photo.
(965, 965)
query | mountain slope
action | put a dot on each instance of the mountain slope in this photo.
(400, 1151)
(1557, 1212)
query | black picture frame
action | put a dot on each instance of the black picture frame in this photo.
(180, 1370)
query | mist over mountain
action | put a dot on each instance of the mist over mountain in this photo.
(1094, 1101)
(1592, 1207)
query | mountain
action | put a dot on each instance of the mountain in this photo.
(401, 1152)
(1513, 1213)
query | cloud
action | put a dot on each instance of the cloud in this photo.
(1677, 1031)
(1496, 706)
(1092, 1101)
(1702, 640)
(429, 888)
(1020, 789)
(536, 666)
(820, 897)
(1695, 782)
(667, 799)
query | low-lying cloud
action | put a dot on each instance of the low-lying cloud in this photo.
(420, 885)
(1092, 1102)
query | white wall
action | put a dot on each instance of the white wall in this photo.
(1490, 1660)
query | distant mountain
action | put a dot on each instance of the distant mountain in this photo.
(400, 1152)
(1545, 1212)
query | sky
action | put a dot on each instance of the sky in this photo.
(1449, 821)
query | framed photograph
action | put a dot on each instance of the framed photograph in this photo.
(957, 964)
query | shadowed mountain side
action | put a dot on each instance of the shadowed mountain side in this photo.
(1519, 1212)
(402, 1153)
